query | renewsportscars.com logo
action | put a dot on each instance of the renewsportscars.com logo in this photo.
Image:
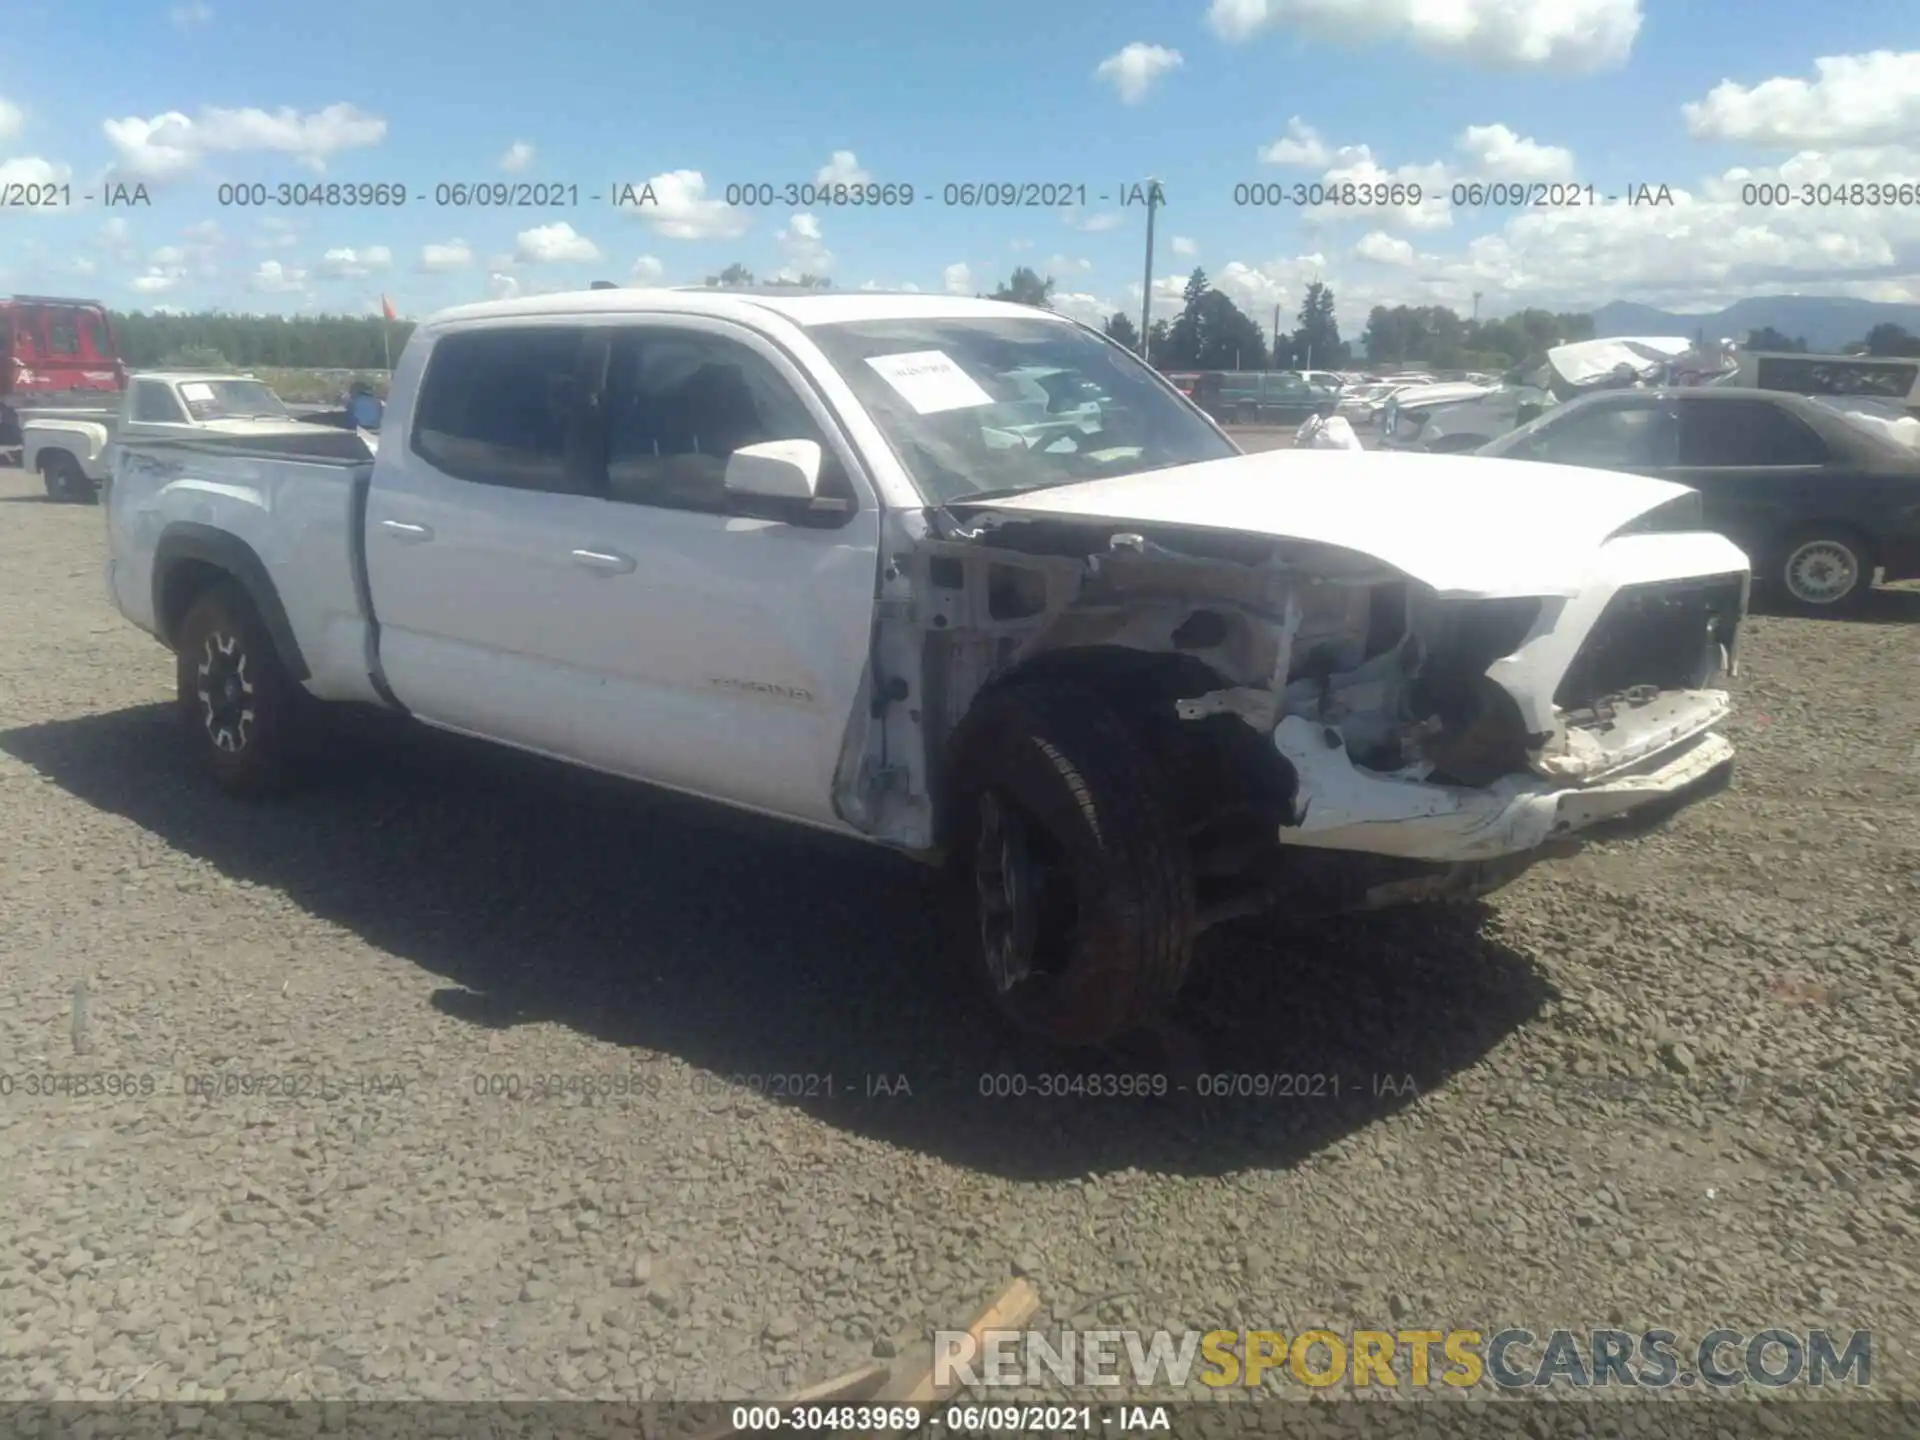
(1509, 1359)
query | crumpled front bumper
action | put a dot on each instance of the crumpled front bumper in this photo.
(1348, 808)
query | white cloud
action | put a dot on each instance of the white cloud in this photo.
(648, 271)
(205, 232)
(1134, 70)
(188, 16)
(171, 146)
(1184, 246)
(448, 255)
(806, 253)
(957, 278)
(1383, 249)
(1091, 224)
(1301, 145)
(349, 263)
(273, 278)
(516, 157)
(155, 282)
(1496, 153)
(502, 286)
(81, 265)
(1065, 264)
(167, 257)
(680, 210)
(1571, 35)
(1871, 99)
(842, 169)
(1019, 244)
(1091, 309)
(12, 120)
(555, 244)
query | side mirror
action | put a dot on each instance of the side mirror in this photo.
(786, 470)
(365, 411)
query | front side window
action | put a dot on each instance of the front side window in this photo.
(956, 399)
(1615, 437)
(497, 406)
(63, 334)
(1746, 433)
(679, 403)
(154, 404)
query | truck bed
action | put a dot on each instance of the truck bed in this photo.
(297, 502)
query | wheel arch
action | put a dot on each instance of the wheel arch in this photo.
(1141, 686)
(190, 557)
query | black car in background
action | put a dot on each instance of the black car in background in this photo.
(1819, 491)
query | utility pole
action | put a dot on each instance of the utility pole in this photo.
(1276, 337)
(1146, 284)
(1476, 307)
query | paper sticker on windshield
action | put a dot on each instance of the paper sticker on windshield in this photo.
(196, 392)
(929, 381)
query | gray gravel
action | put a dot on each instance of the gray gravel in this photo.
(1666, 1083)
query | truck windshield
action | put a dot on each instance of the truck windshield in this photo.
(976, 407)
(231, 400)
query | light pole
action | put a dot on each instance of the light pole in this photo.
(1146, 284)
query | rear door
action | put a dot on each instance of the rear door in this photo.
(471, 521)
(1759, 469)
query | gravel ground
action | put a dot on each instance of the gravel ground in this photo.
(1670, 1082)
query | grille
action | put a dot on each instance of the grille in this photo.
(1656, 635)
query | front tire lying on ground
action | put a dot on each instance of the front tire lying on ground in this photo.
(247, 721)
(1073, 866)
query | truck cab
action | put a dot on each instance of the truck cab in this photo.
(55, 353)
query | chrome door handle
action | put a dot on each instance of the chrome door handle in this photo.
(602, 560)
(403, 530)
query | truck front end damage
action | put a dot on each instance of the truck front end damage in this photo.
(1334, 724)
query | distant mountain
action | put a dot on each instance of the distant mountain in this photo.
(1827, 323)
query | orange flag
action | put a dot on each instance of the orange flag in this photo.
(386, 308)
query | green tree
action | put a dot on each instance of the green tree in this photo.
(1768, 338)
(814, 282)
(1184, 338)
(1894, 340)
(1160, 345)
(1025, 287)
(1120, 327)
(734, 275)
(1317, 340)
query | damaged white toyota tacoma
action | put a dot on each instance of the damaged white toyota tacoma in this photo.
(964, 579)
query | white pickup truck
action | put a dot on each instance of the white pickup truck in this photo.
(73, 453)
(783, 552)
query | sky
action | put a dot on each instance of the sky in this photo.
(1530, 128)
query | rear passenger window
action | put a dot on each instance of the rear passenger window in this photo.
(497, 407)
(1745, 433)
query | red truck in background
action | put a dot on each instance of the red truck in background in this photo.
(56, 353)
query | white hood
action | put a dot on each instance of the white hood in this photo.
(1583, 362)
(1464, 524)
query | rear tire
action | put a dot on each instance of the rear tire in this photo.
(1072, 871)
(1823, 569)
(248, 723)
(66, 482)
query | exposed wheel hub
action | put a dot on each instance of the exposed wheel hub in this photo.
(1822, 571)
(225, 693)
